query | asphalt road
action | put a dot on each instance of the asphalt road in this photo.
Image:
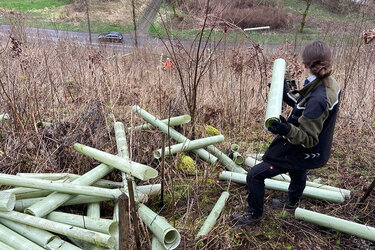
(49, 35)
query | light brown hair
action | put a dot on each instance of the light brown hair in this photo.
(317, 57)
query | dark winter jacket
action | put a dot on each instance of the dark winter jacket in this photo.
(308, 144)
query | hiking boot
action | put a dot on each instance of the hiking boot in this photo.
(283, 203)
(245, 219)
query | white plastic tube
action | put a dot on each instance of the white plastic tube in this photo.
(349, 227)
(225, 160)
(15, 240)
(168, 236)
(59, 244)
(4, 246)
(189, 146)
(93, 210)
(59, 228)
(7, 201)
(275, 97)
(36, 235)
(173, 121)
(311, 192)
(95, 224)
(214, 215)
(137, 170)
(21, 205)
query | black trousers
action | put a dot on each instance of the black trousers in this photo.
(255, 184)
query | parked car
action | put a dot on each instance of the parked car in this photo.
(113, 37)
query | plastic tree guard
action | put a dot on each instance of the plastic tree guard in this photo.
(189, 146)
(275, 96)
(168, 236)
(349, 227)
(7, 201)
(59, 228)
(225, 160)
(214, 215)
(311, 192)
(137, 170)
(173, 121)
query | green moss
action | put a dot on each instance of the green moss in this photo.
(211, 130)
(187, 165)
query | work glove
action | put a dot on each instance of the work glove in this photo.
(288, 84)
(280, 128)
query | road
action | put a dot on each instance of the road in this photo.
(49, 35)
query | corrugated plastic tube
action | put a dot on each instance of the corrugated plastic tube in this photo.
(137, 170)
(95, 224)
(59, 228)
(36, 235)
(7, 201)
(311, 192)
(21, 205)
(225, 160)
(251, 162)
(275, 97)
(168, 236)
(238, 158)
(210, 222)
(349, 227)
(173, 121)
(172, 133)
(189, 146)
(15, 240)
(4, 246)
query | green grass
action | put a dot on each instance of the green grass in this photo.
(261, 37)
(96, 26)
(316, 10)
(29, 5)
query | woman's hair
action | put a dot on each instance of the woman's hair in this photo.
(317, 57)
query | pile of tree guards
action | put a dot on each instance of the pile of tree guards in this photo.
(29, 216)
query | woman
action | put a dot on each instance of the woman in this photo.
(303, 141)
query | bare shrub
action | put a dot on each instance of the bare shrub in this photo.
(244, 13)
(257, 16)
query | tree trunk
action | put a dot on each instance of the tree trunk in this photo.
(308, 3)
(135, 26)
(88, 20)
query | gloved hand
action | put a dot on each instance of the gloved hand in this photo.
(280, 128)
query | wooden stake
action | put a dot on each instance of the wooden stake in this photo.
(134, 214)
(162, 169)
(123, 206)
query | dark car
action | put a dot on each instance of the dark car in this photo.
(113, 37)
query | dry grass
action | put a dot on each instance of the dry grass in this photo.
(76, 88)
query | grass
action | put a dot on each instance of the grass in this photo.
(30, 5)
